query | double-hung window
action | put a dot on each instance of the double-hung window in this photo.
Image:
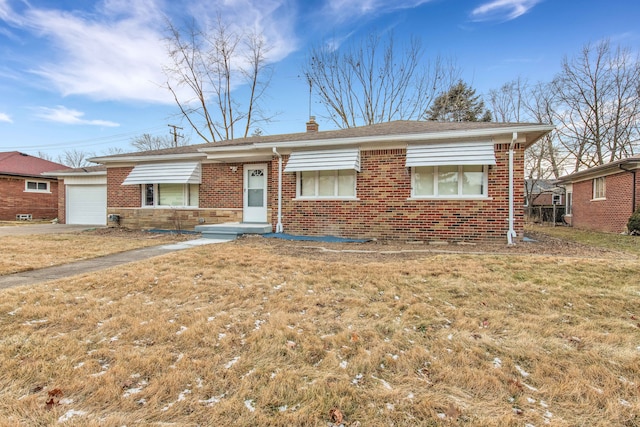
(325, 174)
(455, 171)
(37, 186)
(167, 184)
(599, 189)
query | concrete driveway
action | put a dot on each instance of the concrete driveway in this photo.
(24, 230)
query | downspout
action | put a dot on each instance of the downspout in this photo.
(633, 194)
(279, 227)
(511, 233)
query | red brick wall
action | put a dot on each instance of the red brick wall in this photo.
(14, 200)
(610, 214)
(383, 210)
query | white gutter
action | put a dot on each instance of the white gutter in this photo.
(511, 233)
(279, 227)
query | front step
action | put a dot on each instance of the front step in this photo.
(230, 231)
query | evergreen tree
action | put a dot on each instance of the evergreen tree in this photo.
(459, 104)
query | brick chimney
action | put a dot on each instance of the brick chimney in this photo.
(312, 126)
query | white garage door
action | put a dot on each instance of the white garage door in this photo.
(87, 204)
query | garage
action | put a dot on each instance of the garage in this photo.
(87, 204)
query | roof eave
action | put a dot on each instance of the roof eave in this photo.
(147, 158)
(537, 132)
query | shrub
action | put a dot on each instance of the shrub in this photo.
(633, 226)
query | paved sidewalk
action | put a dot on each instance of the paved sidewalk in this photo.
(86, 266)
(29, 229)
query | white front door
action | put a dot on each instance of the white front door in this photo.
(255, 193)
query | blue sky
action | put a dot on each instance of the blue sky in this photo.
(87, 75)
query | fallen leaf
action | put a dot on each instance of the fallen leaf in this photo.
(54, 398)
(336, 416)
(354, 337)
(452, 412)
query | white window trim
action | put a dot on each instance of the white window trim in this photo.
(317, 181)
(593, 189)
(185, 195)
(483, 196)
(568, 203)
(30, 190)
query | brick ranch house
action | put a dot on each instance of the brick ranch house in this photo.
(24, 192)
(405, 180)
(603, 198)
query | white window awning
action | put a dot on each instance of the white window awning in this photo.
(322, 160)
(165, 173)
(460, 153)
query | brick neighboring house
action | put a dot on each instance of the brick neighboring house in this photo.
(399, 180)
(23, 190)
(603, 198)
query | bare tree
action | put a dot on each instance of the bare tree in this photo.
(508, 101)
(75, 158)
(225, 74)
(600, 105)
(146, 142)
(374, 81)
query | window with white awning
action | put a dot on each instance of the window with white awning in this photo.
(324, 160)
(165, 173)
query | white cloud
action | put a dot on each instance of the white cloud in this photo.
(62, 114)
(4, 117)
(116, 51)
(502, 10)
(346, 10)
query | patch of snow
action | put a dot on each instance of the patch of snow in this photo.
(258, 323)
(66, 401)
(383, 382)
(282, 408)
(357, 379)
(114, 338)
(232, 362)
(13, 313)
(70, 414)
(530, 400)
(220, 336)
(522, 372)
(529, 387)
(79, 365)
(211, 318)
(199, 383)
(343, 364)
(35, 322)
(250, 405)
(410, 396)
(497, 363)
(182, 329)
(131, 391)
(624, 403)
(442, 416)
(543, 404)
(389, 406)
(181, 397)
(212, 400)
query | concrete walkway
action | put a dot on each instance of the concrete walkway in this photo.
(86, 266)
(30, 229)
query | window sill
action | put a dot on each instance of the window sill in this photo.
(598, 199)
(326, 199)
(38, 191)
(479, 198)
(169, 207)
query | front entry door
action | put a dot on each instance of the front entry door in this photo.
(255, 193)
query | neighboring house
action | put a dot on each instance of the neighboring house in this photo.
(603, 198)
(83, 195)
(399, 180)
(544, 200)
(24, 192)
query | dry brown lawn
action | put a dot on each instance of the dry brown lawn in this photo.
(24, 253)
(272, 333)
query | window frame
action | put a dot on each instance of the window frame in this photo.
(459, 195)
(599, 192)
(186, 196)
(37, 190)
(568, 207)
(335, 195)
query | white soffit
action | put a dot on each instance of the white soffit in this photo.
(322, 160)
(460, 153)
(165, 173)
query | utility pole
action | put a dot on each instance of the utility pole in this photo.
(175, 134)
